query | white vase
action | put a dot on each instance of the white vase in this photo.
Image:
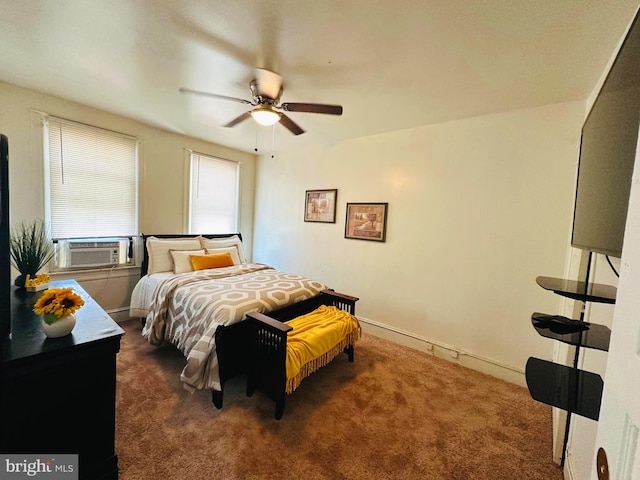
(60, 327)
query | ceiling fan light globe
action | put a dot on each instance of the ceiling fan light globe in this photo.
(265, 116)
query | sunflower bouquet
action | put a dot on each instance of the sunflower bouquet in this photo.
(56, 303)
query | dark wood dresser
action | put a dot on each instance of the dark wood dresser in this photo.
(58, 395)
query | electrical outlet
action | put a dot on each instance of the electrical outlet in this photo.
(454, 354)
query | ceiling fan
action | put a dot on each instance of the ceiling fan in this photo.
(266, 90)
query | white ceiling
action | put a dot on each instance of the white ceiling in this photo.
(392, 64)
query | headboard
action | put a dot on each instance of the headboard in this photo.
(145, 256)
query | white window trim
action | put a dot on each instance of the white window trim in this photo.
(187, 189)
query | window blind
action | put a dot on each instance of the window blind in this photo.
(213, 206)
(92, 181)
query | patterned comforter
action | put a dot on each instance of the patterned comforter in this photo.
(186, 310)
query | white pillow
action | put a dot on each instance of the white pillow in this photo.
(180, 259)
(232, 250)
(233, 241)
(158, 249)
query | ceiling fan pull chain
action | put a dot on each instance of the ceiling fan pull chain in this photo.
(256, 147)
(273, 140)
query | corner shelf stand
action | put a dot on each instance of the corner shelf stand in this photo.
(568, 387)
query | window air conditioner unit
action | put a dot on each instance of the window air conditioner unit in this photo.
(92, 253)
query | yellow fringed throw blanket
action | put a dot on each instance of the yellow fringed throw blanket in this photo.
(316, 339)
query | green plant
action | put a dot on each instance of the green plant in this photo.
(31, 248)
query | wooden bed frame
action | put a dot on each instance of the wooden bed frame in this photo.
(234, 344)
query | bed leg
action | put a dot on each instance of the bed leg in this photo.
(350, 352)
(279, 408)
(250, 388)
(216, 398)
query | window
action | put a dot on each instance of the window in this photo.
(213, 198)
(92, 190)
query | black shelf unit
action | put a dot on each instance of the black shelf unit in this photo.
(573, 332)
(568, 387)
(576, 290)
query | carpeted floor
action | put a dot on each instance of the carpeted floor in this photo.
(396, 413)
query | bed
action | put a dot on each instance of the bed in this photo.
(202, 310)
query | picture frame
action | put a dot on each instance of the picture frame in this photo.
(320, 205)
(366, 221)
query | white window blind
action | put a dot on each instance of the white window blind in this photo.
(92, 181)
(213, 206)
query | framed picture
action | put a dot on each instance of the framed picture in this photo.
(366, 221)
(320, 206)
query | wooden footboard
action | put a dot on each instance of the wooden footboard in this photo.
(267, 371)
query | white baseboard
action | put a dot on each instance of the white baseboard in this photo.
(448, 352)
(119, 314)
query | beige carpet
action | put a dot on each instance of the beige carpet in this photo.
(395, 413)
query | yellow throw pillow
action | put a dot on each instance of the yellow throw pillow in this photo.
(216, 260)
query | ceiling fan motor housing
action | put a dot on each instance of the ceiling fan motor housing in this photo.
(260, 97)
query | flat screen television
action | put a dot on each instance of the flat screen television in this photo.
(607, 155)
(5, 261)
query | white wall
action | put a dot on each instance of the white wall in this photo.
(162, 170)
(477, 209)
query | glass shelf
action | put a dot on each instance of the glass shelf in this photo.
(573, 332)
(570, 389)
(592, 292)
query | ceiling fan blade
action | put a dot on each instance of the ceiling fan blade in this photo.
(290, 125)
(239, 119)
(213, 95)
(312, 108)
